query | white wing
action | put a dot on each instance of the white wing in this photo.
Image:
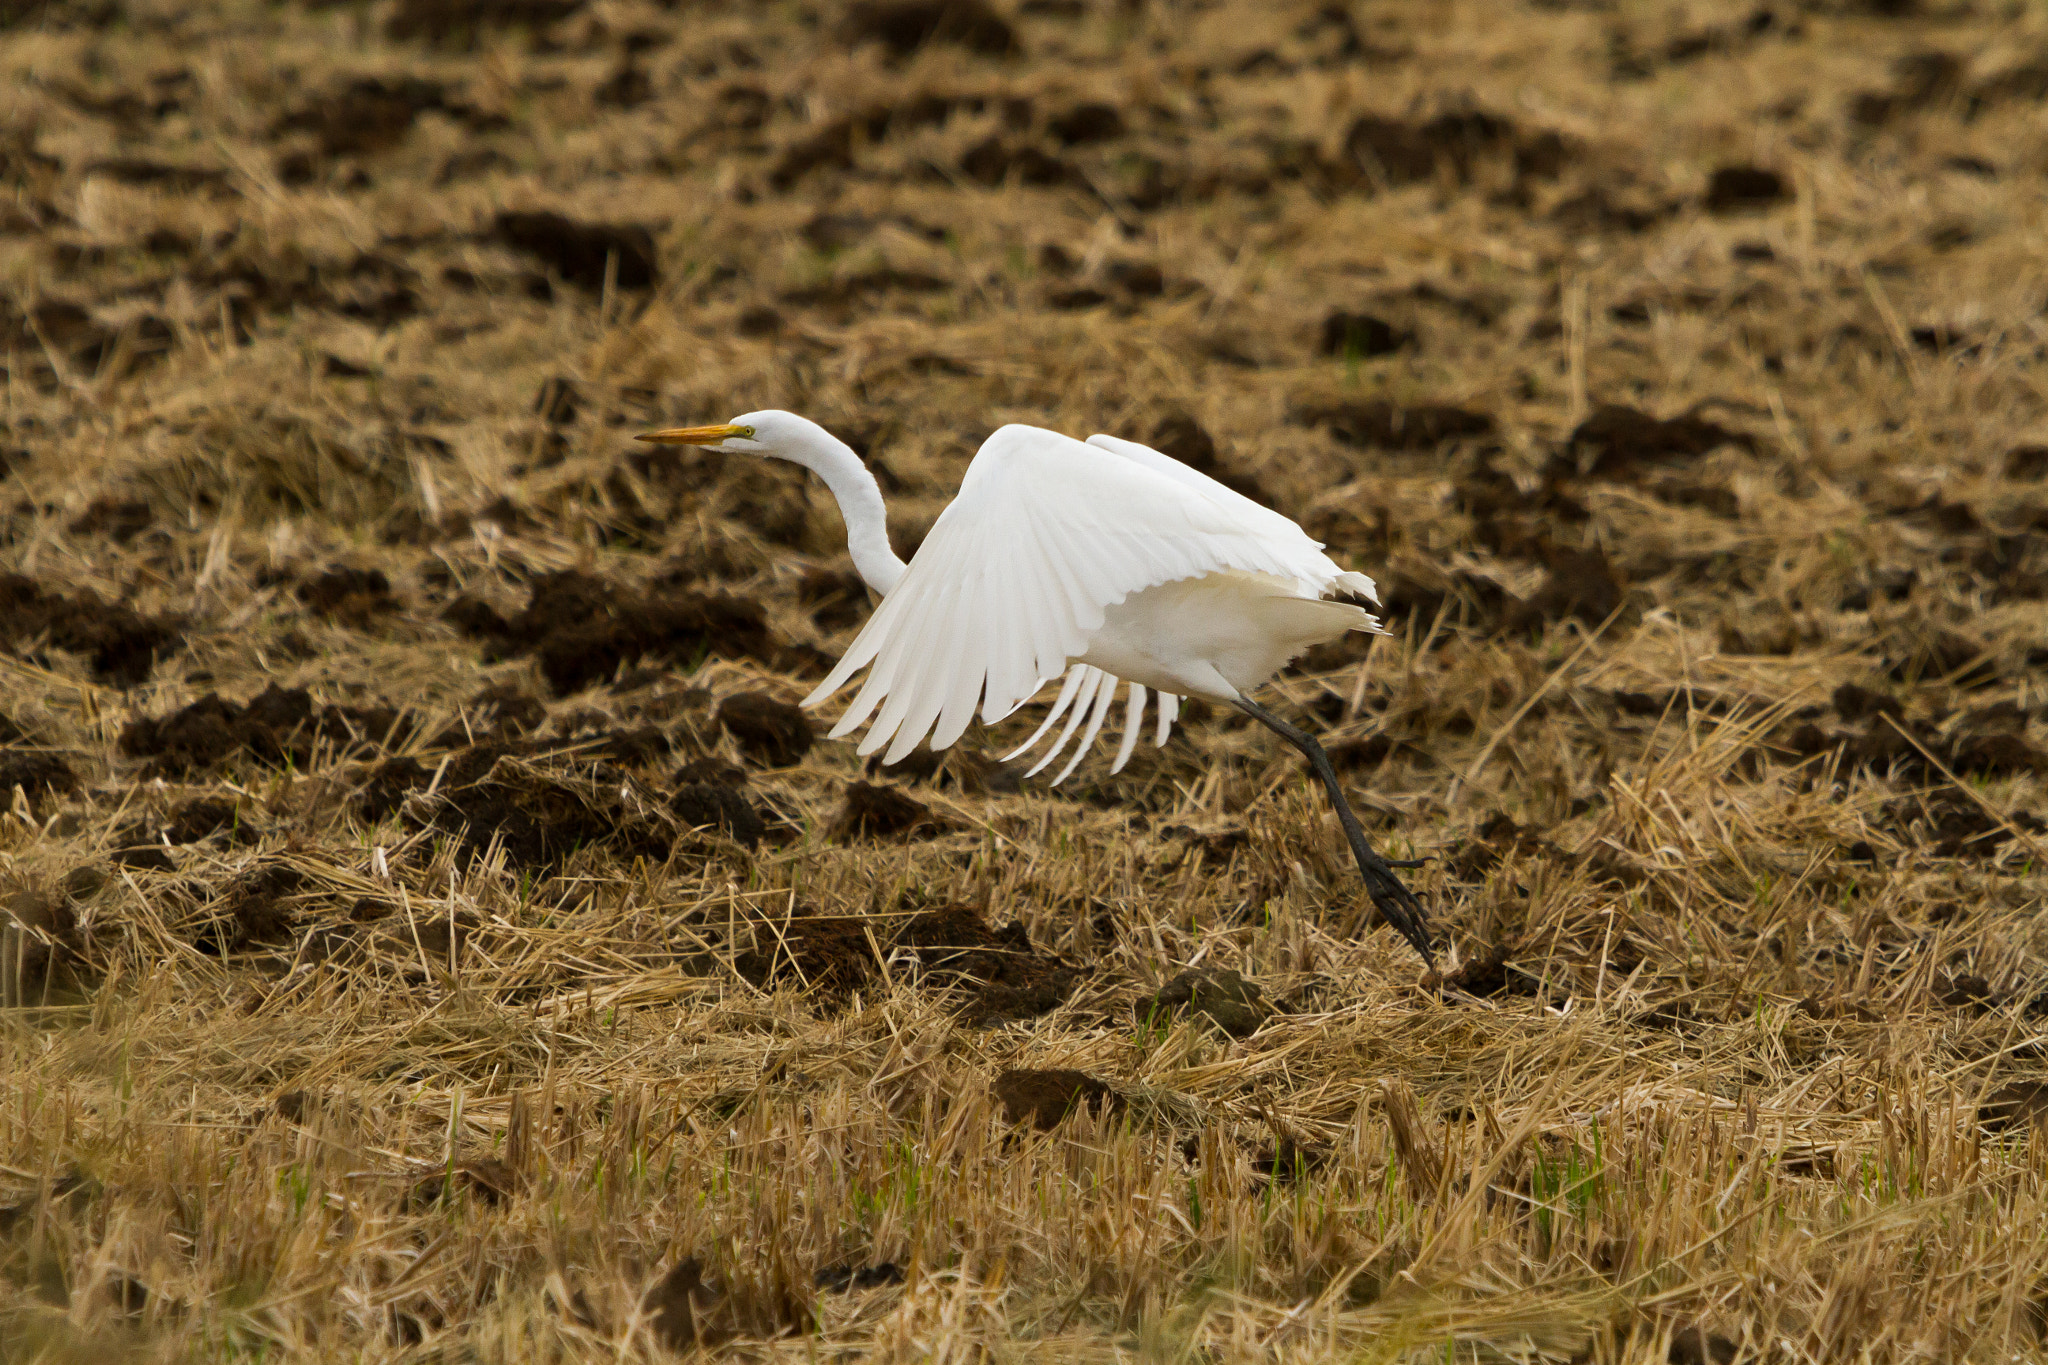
(1280, 528)
(1014, 578)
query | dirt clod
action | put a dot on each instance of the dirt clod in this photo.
(121, 643)
(1493, 972)
(459, 23)
(2019, 1104)
(994, 974)
(717, 805)
(1389, 426)
(1043, 1099)
(871, 811)
(1361, 336)
(196, 820)
(277, 725)
(1288, 1162)
(352, 596)
(903, 26)
(671, 1303)
(1615, 441)
(487, 1180)
(582, 629)
(1227, 1000)
(2026, 464)
(539, 811)
(37, 774)
(1745, 189)
(584, 254)
(1581, 584)
(1695, 1345)
(770, 731)
(841, 1279)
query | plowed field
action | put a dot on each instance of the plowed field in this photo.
(431, 932)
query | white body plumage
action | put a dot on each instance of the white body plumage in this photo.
(1102, 561)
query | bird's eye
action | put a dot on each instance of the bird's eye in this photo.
(746, 433)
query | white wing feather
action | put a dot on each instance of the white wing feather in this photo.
(1015, 577)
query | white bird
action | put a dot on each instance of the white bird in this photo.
(1105, 561)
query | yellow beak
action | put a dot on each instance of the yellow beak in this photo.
(691, 436)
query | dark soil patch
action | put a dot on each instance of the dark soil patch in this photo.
(143, 858)
(769, 731)
(1086, 123)
(37, 774)
(1376, 423)
(903, 26)
(836, 597)
(1917, 650)
(582, 629)
(879, 812)
(1581, 584)
(502, 711)
(196, 820)
(1181, 437)
(1386, 152)
(1492, 973)
(354, 597)
(277, 725)
(1498, 839)
(582, 253)
(1695, 1345)
(841, 1279)
(67, 332)
(2018, 1105)
(1745, 189)
(366, 115)
(539, 811)
(999, 972)
(1853, 701)
(717, 805)
(670, 1303)
(260, 907)
(1361, 336)
(459, 23)
(122, 644)
(1043, 1098)
(1919, 80)
(1226, 999)
(488, 1180)
(118, 519)
(1614, 440)
(1951, 825)
(52, 952)
(2026, 464)
(996, 159)
(996, 972)
(1968, 992)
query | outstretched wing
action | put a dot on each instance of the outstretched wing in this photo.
(1014, 578)
(1091, 693)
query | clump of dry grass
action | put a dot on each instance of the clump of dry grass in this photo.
(422, 936)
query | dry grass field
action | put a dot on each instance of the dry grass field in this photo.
(430, 933)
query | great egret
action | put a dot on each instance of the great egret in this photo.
(1102, 561)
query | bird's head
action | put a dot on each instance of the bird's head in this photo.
(756, 433)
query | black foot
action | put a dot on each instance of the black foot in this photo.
(1396, 903)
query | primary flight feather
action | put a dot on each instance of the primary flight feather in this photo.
(1104, 561)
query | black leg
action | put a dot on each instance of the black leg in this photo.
(1397, 904)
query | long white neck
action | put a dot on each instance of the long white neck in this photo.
(859, 498)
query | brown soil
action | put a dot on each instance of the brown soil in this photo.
(1043, 1099)
(996, 972)
(380, 722)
